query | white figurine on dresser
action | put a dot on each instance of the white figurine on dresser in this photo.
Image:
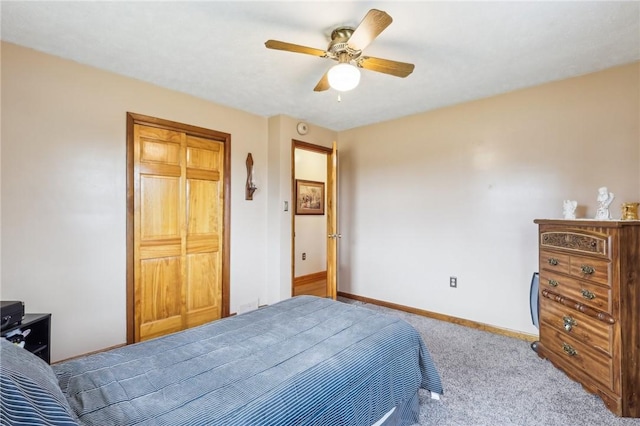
(569, 209)
(604, 200)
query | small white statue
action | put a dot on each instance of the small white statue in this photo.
(569, 209)
(604, 200)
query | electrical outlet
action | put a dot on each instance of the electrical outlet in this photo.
(304, 256)
(453, 282)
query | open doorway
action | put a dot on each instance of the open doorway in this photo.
(310, 201)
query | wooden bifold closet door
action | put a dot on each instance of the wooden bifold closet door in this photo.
(178, 223)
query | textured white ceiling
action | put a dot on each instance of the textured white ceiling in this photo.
(215, 50)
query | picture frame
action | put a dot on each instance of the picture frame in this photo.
(309, 197)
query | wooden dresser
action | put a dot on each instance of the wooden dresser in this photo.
(590, 306)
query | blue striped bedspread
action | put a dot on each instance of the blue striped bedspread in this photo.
(302, 361)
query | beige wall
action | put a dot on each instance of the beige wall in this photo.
(63, 192)
(454, 192)
(282, 131)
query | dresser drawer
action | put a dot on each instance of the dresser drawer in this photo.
(584, 328)
(593, 295)
(576, 241)
(591, 362)
(555, 262)
(589, 269)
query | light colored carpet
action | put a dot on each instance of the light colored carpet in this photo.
(496, 380)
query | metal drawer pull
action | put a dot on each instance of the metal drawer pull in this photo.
(569, 323)
(569, 350)
(586, 269)
(552, 261)
(587, 294)
(553, 283)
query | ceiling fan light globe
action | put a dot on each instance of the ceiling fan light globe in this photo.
(343, 77)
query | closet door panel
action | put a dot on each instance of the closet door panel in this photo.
(159, 207)
(204, 230)
(159, 211)
(203, 288)
(202, 213)
(160, 296)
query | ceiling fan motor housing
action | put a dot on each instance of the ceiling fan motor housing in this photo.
(339, 45)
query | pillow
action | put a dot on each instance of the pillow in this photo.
(30, 393)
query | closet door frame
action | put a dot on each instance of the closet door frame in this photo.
(225, 138)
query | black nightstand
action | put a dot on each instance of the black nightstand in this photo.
(38, 341)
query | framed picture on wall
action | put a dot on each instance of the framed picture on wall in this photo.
(309, 197)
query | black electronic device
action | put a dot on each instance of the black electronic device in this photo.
(11, 313)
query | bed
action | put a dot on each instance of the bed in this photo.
(302, 361)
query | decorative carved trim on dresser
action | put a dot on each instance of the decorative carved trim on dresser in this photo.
(590, 306)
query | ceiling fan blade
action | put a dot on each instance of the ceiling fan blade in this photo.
(323, 84)
(398, 69)
(371, 26)
(296, 48)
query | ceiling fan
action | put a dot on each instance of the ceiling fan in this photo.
(346, 47)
